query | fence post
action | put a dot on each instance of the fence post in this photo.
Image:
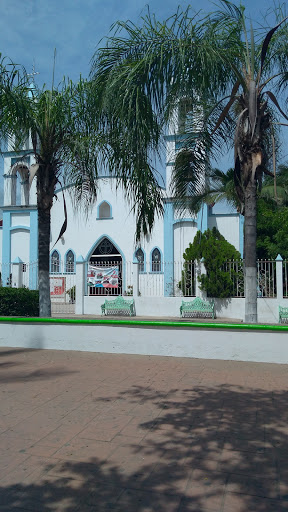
(200, 269)
(17, 273)
(135, 278)
(279, 277)
(80, 285)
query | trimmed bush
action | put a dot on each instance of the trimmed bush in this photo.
(215, 251)
(19, 302)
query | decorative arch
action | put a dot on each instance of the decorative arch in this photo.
(104, 210)
(156, 260)
(109, 255)
(70, 259)
(55, 261)
(97, 243)
(20, 166)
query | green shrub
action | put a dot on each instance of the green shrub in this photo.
(72, 294)
(19, 302)
(215, 251)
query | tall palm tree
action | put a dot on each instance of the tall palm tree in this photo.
(71, 143)
(224, 71)
(46, 117)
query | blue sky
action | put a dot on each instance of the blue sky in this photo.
(31, 29)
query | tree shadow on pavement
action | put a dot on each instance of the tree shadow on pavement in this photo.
(204, 449)
(39, 374)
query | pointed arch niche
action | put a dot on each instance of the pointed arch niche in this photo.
(105, 254)
(104, 211)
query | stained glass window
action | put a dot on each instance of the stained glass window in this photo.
(156, 261)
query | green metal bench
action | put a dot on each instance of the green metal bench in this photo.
(283, 315)
(197, 308)
(118, 306)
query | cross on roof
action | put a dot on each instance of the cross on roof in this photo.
(33, 71)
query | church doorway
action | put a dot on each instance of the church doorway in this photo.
(105, 269)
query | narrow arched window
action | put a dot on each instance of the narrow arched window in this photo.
(70, 262)
(55, 262)
(140, 258)
(104, 210)
(156, 261)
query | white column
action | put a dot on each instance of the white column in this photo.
(17, 273)
(279, 277)
(80, 285)
(33, 192)
(135, 279)
(25, 192)
(10, 189)
(200, 269)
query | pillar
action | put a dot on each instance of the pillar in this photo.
(17, 273)
(135, 279)
(279, 277)
(80, 285)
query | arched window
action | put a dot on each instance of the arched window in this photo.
(104, 210)
(140, 258)
(156, 260)
(70, 262)
(55, 262)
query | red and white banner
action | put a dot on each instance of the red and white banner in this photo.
(103, 277)
(57, 286)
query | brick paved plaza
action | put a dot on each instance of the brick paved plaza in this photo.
(90, 432)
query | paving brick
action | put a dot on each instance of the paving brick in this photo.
(96, 432)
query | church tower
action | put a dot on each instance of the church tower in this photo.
(20, 224)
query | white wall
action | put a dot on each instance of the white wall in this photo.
(83, 232)
(228, 226)
(164, 307)
(184, 233)
(225, 344)
(21, 218)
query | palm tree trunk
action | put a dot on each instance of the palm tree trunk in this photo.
(250, 236)
(44, 215)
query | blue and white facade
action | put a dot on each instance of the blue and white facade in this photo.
(107, 232)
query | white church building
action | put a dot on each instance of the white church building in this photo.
(101, 245)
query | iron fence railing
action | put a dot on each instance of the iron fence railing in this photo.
(266, 278)
(173, 278)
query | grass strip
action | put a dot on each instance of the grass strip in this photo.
(143, 323)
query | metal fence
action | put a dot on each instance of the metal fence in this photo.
(185, 279)
(235, 268)
(116, 278)
(106, 278)
(266, 277)
(63, 290)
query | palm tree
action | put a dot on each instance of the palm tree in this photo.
(223, 74)
(46, 117)
(219, 186)
(13, 82)
(70, 143)
(276, 188)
